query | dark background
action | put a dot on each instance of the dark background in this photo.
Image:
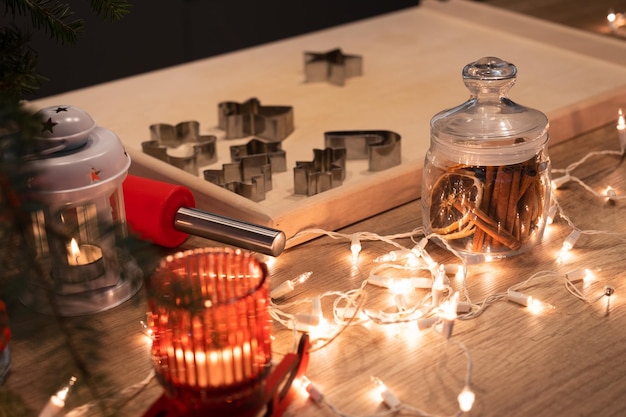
(159, 33)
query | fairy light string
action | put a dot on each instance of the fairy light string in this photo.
(412, 268)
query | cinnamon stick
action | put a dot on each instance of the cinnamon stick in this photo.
(488, 225)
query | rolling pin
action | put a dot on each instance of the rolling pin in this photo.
(165, 214)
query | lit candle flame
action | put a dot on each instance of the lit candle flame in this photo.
(74, 248)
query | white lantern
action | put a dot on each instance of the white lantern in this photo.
(75, 186)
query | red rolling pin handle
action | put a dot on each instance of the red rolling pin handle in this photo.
(151, 207)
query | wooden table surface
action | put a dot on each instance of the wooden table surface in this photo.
(564, 361)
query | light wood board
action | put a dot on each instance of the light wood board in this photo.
(412, 61)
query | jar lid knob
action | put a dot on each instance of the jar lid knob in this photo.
(489, 68)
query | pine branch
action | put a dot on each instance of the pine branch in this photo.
(18, 62)
(111, 10)
(52, 17)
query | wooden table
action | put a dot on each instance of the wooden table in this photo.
(566, 361)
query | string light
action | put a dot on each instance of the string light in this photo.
(400, 285)
(288, 286)
(534, 306)
(568, 245)
(466, 399)
(438, 287)
(449, 315)
(571, 239)
(54, 406)
(615, 21)
(440, 314)
(621, 130)
(355, 248)
(393, 256)
(458, 270)
(386, 395)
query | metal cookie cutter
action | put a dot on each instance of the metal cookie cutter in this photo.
(326, 171)
(276, 155)
(251, 118)
(380, 147)
(249, 177)
(250, 172)
(181, 146)
(333, 66)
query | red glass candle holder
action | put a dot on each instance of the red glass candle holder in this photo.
(209, 313)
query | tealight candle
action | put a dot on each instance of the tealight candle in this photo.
(85, 262)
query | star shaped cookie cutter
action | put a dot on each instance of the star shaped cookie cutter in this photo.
(333, 66)
(382, 148)
(181, 145)
(249, 118)
(326, 171)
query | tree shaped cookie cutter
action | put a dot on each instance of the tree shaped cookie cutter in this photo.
(181, 145)
(382, 148)
(250, 118)
(250, 172)
(326, 171)
(277, 156)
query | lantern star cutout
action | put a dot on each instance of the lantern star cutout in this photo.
(60, 109)
(333, 66)
(48, 125)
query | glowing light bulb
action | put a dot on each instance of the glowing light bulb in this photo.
(387, 396)
(466, 399)
(611, 17)
(571, 240)
(55, 405)
(305, 383)
(355, 247)
(458, 270)
(147, 332)
(288, 286)
(568, 245)
(610, 193)
(621, 130)
(449, 314)
(400, 302)
(420, 251)
(393, 256)
(614, 20)
(534, 305)
(438, 286)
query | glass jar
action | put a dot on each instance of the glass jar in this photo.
(486, 179)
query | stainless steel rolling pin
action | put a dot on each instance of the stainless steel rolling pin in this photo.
(166, 215)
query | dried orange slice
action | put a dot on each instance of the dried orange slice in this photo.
(449, 190)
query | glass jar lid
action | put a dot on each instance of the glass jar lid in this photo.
(489, 128)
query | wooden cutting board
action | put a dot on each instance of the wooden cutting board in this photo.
(412, 62)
